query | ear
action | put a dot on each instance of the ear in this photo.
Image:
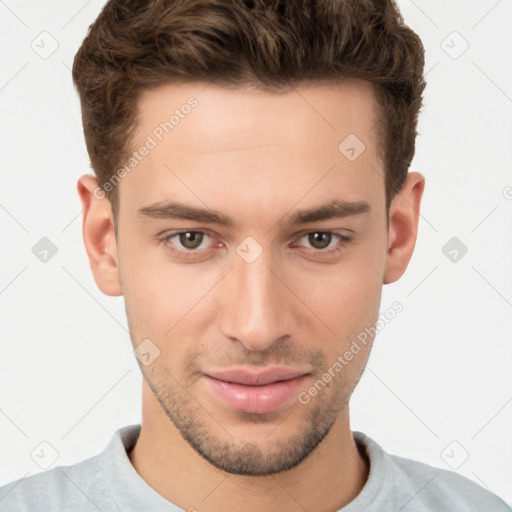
(404, 214)
(99, 236)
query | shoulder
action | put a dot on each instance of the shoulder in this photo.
(81, 487)
(78, 487)
(443, 489)
(418, 486)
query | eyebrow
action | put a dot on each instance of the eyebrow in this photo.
(335, 209)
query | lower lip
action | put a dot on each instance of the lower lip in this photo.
(256, 399)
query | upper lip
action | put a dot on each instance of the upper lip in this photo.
(256, 378)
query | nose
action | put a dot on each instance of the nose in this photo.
(257, 306)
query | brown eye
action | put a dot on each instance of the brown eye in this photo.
(320, 243)
(193, 245)
(191, 239)
(319, 240)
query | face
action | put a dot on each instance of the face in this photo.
(251, 252)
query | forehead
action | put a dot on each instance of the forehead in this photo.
(215, 143)
(234, 117)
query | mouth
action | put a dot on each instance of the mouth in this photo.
(256, 392)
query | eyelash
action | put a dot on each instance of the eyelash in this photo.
(343, 241)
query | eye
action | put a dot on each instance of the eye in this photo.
(319, 240)
(191, 239)
(325, 241)
(188, 240)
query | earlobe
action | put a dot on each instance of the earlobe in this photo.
(99, 237)
(403, 226)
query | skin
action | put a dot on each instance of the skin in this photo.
(258, 158)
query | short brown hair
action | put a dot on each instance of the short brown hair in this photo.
(135, 45)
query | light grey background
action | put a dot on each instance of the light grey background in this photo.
(438, 384)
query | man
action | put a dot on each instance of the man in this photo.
(251, 196)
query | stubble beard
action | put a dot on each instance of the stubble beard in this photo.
(242, 457)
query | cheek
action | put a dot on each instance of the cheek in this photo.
(148, 289)
(346, 295)
(162, 298)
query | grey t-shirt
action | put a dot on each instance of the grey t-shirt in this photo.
(108, 482)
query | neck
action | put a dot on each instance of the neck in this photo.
(328, 479)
